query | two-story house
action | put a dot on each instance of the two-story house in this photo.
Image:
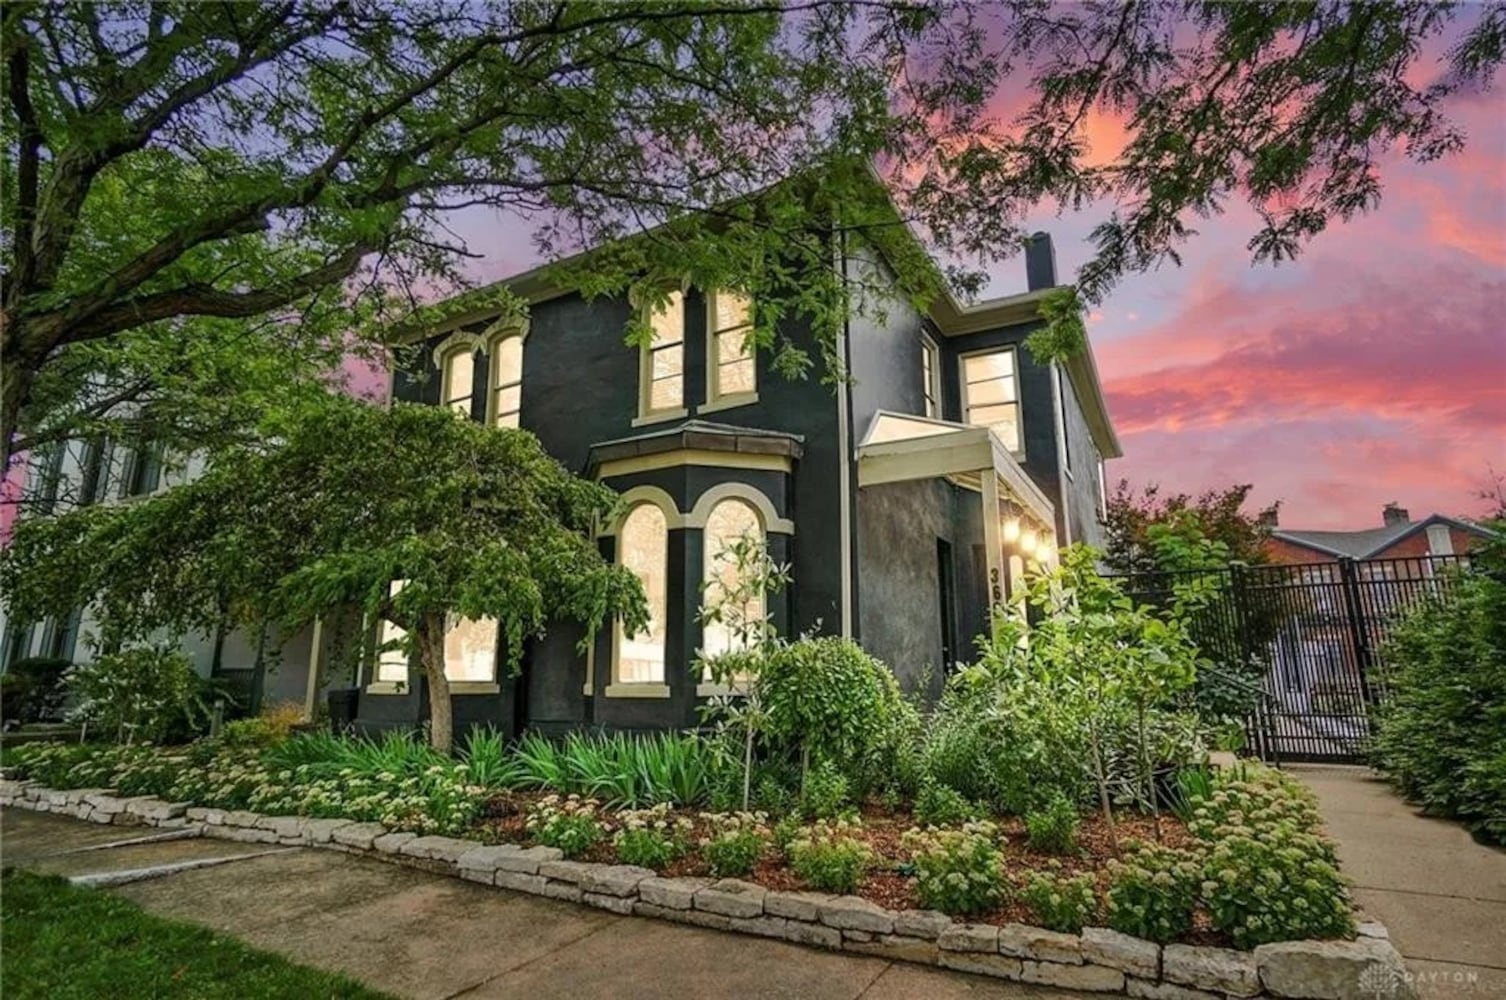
(905, 500)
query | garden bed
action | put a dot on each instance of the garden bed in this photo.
(1096, 959)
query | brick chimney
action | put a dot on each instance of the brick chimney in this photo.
(1392, 515)
(1040, 262)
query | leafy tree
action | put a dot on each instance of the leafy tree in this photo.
(168, 163)
(478, 522)
(1147, 532)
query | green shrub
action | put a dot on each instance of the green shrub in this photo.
(569, 824)
(1153, 891)
(139, 695)
(826, 792)
(33, 690)
(1441, 731)
(1061, 903)
(1269, 874)
(651, 837)
(735, 843)
(942, 805)
(1053, 829)
(829, 856)
(958, 871)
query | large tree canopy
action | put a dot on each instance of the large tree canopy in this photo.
(172, 162)
(478, 522)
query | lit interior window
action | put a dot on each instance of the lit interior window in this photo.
(459, 381)
(643, 547)
(990, 395)
(470, 649)
(729, 521)
(507, 381)
(665, 366)
(734, 372)
(392, 657)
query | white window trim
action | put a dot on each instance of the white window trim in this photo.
(1019, 405)
(518, 329)
(715, 399)
(930, 349)
(632, 499)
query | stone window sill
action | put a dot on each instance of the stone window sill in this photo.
(637, 691)
(663, 416)
(729, 402)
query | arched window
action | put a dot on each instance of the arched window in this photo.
(458, 381)
(730, 521)
(643, 547)
(507, 380)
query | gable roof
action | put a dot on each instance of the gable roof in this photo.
(1369, 542)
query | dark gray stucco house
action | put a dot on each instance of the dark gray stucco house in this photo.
(905, 501)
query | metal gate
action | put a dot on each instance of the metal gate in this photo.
(1305, 643)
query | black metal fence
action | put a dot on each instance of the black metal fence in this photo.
(1300, 648)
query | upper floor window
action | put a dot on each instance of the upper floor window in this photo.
(732, 374)
(730, 522)
(643, 547)
(143, 471)
(1061, 419)
(930, 374)
(1440, 542)
(662, 381)
(507, 380)
(458, 381)
(990, 394)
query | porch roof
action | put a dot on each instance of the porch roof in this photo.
(899, 447)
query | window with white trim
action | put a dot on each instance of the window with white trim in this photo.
(392, 654)
(470, 650)
(990, 394)
(930, 374)
(643, 548)
(731, 368)
(730, 521)
(458, 381)
(1440, 543)
(507, 381)
(663, 375)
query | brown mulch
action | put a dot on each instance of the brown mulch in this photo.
(888, 882)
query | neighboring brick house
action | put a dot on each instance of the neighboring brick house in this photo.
(1398, 537)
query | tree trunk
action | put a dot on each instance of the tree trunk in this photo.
(747, 766)
(17, 386)
(430, 635)
(1103, 788)
(1148, 774)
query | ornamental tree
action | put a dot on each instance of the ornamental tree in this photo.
(169, 162)
(346, 499)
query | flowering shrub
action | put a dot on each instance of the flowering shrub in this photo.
(1269, 875)
(650, 838)
(941, 805)
(1153, 892)
(569, 824)
(1053, 829)
(1061, 903)
(829, 855)
(736, 842)
(958, 871)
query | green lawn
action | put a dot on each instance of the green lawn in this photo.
(62, 942)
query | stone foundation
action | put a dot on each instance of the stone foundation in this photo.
(1097, 960)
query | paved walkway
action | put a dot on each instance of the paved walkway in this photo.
(413, 934)
(1441, 894)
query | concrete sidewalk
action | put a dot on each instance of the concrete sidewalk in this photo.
(413, 934)
(1441, 894)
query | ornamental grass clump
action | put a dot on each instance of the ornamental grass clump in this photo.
(1064, 903)
(958, 871)
(1153, 891)
(830, 855)
(569, 824)
(736, 842)
(651, 838)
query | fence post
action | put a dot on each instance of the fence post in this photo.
(1354, 611)
(1257, 721)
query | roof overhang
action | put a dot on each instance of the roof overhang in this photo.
(901, 448)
